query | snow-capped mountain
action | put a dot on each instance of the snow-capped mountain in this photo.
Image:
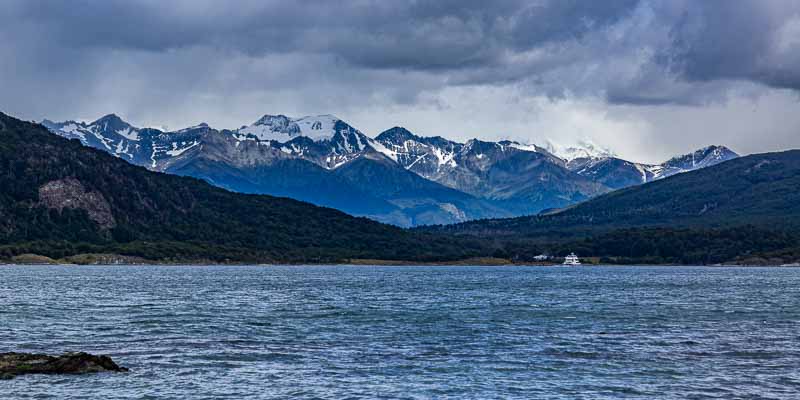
(523, 178)
(439, 159)
(108, 133)
(702, 158)
(323, 139)
(142, 146)
(617, 173)
(302, 158)
(397, 177)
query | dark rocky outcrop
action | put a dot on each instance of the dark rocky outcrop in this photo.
(14, 364)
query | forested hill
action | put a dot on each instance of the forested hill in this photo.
(759, 190)
(60, 198)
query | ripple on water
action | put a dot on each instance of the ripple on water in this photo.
(409, 332)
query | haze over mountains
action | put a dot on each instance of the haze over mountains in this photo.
(396, 177)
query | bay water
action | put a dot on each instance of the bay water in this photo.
(378, 332)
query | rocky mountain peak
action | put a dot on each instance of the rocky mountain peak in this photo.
(274, 120)
(396, 135)
(704, 157)
(111, 122)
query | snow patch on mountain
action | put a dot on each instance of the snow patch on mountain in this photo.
(73, 131)
(281, 129)
(380, 148)
(585, 148)
(705, 157)
(69, 127)
(444, 157)
(524, 147)
(642, 170)
(129, 133)
(320, 127)
(176, 151)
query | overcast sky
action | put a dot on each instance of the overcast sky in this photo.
(648, 79)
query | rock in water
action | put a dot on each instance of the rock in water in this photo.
(14, 364)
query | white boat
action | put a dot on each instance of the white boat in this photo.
(572, 259)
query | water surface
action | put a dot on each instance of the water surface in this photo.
(218, 332)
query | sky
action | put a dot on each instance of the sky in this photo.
(648, 79)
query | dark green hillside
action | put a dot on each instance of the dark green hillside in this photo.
(744, 210)
(60, 198)
(760, 189)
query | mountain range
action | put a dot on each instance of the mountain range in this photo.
(397, 177)
(61, 198)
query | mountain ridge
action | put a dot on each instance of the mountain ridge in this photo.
(756, 189)
(501, 179)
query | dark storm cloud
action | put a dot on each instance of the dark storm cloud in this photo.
(185, 61)
(549, 45)
(375, 34)
(565, 20)
(749, 40)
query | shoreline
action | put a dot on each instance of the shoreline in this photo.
(387, 263)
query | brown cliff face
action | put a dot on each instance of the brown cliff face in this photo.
(70, 193)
